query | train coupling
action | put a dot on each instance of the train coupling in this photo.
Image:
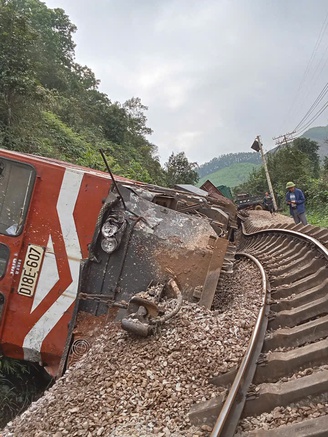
(150, 309)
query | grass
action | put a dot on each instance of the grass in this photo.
(317, 218)
(314, 217)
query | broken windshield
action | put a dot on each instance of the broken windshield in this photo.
(16, 184)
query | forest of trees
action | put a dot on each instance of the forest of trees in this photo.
(50, 105)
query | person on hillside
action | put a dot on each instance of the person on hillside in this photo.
(296, 201)
(268, 202)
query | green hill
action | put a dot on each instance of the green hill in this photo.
(320, 135)
(227, 160)
(230, 176)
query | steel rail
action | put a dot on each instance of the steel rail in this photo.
(229, 416)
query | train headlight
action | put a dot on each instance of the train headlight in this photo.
(108, 245)
(109, 229)
(112, 232)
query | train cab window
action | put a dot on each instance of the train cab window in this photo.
(16, 184)
(4, 257)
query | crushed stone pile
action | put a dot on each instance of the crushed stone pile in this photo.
(264, 218)
(128, 386)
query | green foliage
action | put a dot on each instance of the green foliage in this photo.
(299, 163)
(318, 217)
(54, 47)
(316, 194)
(59, 141)
(115, 123)
(231, 176)
(287, 164)
(51, 106)
(93, 159)
(180, 171)
(18, 387)
(18, 67)
(12, 367)
(136, 119)
(325, 167)
(310, 149)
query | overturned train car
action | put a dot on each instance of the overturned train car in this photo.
(75, 245)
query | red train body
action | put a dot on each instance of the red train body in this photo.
(51, 216)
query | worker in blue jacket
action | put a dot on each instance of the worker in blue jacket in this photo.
(296, 201)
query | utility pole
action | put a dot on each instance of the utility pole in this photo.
(258, 146)
(285, 138)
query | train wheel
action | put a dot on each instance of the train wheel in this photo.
(258, 207)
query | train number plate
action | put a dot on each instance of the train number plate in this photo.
(31, 268)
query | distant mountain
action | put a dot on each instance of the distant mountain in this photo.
(318, 134)
(230, 176)
(226, 160)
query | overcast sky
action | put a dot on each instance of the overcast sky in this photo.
(213, 73)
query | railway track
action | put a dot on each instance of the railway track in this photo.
(280, 387)
(146, 387)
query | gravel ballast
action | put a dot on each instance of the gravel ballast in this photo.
(128, 386)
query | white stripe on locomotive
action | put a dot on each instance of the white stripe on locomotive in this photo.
(65, 207)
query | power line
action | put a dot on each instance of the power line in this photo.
(315, 76)
(316, 47)
(307, 69)
(319, 98)
(308, 124)
(305, 122)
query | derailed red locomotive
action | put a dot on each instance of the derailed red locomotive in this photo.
(73, 241)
